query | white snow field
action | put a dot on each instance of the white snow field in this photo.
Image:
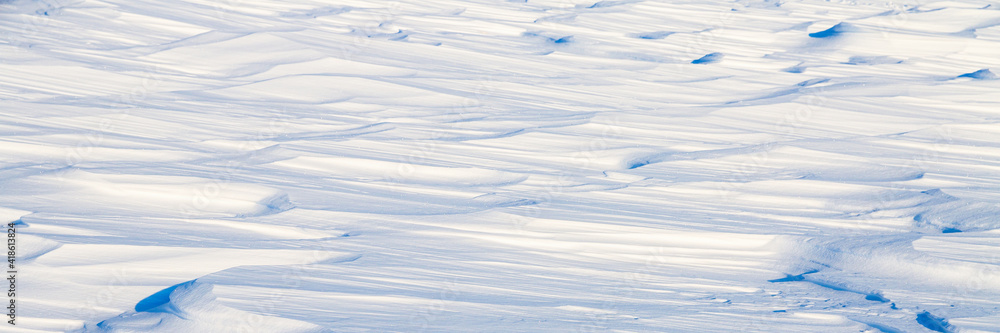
(502, 166)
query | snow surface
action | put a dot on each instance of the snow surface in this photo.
(502, 166)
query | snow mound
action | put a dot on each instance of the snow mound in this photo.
(982, 74)
(192, 307)
(835, 31)
(710, 58)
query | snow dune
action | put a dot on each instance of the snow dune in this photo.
(555, 165)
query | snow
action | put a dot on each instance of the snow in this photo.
(502, 166)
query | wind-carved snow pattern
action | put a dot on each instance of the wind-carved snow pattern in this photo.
(552, 165)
